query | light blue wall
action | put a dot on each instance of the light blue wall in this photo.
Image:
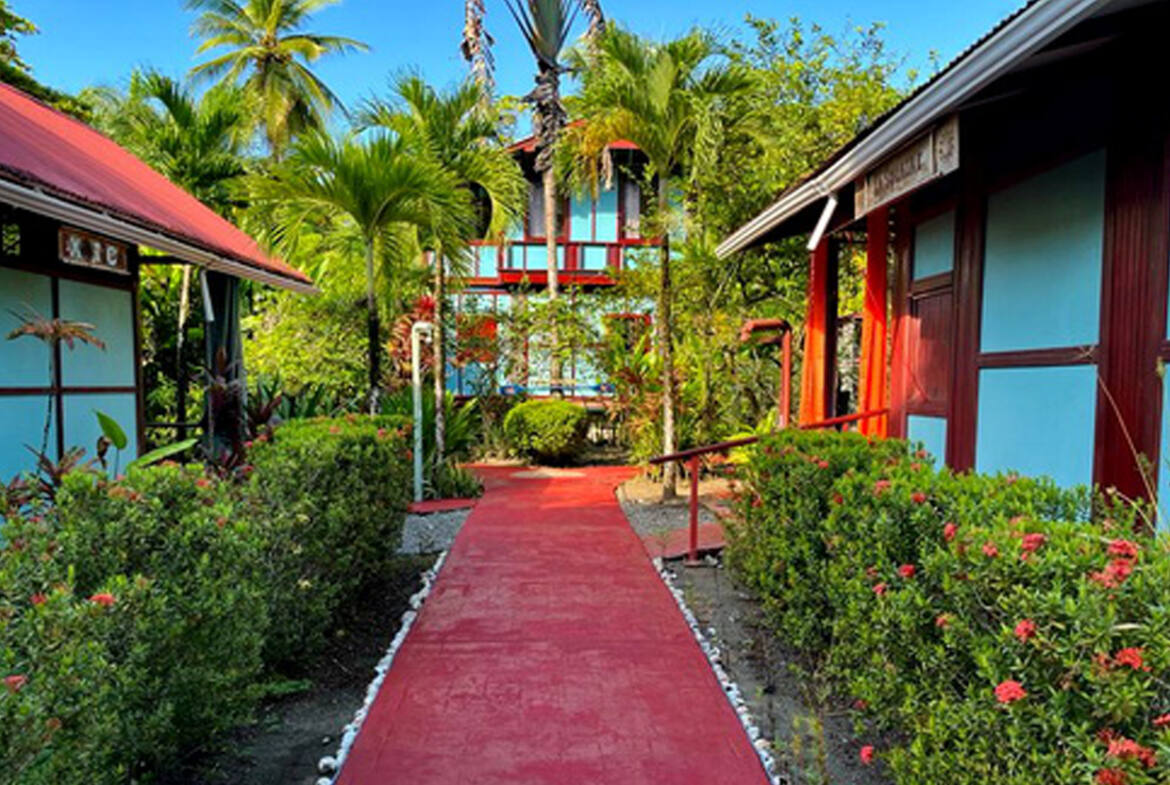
(1164, 463)
(932, 432)
(538, 257)
(1042, 264)
(607, 216)
(1038, 421)
(486, 260)
(22, 423)
(24, 362)
(81, 424)
(580, 218)
(593, 257)
(111, 312)
(934, 246)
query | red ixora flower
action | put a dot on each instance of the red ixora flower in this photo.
(1131, 657)
(38, 599)
(1128, 749)
(203, 482)
(866, 754)
(907, 571)
(822, 464)
(950, 530)
(918, 497)
(838, 499)
(990, 550)
(1032, 542)
(15, 682)
(1010, 691)
(1161, 721)
(880, 589)
(1114, 574)
(103, 598)
(943, 621)
(879, 486)
(1124, 549)
(1110, 777)
(1025, 630)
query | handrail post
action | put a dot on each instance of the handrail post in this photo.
(693, 548)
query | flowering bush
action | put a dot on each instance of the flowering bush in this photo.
(135, 614)
(1005, 632)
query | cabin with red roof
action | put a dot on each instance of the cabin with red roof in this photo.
(76, 212)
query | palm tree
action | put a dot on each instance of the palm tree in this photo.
(546, 25)
(457, 129)
(270, 54)
(376, 185)
(670, 100)
(197, 143)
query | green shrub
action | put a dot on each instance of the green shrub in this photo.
(547, 431)
(330, 497)
(1003, 633)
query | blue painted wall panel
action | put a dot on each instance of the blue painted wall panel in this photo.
(934, 246)
(931, 432)
(81, 424)
(593, 257)
(22, 422)
(24, 362)
(1042, 266)
(111, 312)
(580, 218)
(607, 216)
(486, 261)
(1038, 421)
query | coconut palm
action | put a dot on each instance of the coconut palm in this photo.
(457, 129)
(270, 54)
(670, 100)
(197, 143)
(546, 25)
(375, 185)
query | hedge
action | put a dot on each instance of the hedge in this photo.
(548, 431)
(1005, 629)
(138, 616)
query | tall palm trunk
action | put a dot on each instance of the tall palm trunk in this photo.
(440, 368)
(666, 349)
(374, 355)
(550, 239)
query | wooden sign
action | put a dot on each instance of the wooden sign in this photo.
(83, 249)
(928, 158)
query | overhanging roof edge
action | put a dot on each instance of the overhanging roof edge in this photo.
(1035, 26)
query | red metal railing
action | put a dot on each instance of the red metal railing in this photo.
(692, 456)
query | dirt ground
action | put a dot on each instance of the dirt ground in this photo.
(292, 733)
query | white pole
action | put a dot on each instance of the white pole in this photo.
(416, 338)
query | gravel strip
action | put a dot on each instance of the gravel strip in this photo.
(431, 533)
(650, 519)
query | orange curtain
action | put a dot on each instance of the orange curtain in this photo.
(873, 323)
(813, 375)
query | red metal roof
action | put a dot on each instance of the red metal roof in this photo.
(46, 149)
(528, 143)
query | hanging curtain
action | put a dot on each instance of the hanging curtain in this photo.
(226, 382)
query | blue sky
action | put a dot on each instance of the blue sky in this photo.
(86, 42)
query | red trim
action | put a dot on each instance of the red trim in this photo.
(815, 383)
(1036, 358)
(873, 324)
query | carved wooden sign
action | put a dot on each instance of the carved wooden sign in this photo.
(927, 158)
(83, 249)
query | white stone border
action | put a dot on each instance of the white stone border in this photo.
(330, 766)
(730, 689)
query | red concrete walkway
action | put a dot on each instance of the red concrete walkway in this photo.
(550, 652)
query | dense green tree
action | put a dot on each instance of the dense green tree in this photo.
(375, 186)
(270, 54)
(672, 99)
(458, 129)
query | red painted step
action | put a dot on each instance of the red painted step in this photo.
(550, 653)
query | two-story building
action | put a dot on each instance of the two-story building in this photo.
(597, 238)
(1016, 216)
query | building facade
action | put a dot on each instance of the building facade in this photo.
(597, 238)
(1015, 211)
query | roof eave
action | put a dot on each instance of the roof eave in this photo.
(1032, 29)
(95, 219)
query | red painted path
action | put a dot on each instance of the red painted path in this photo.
(549, 652)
